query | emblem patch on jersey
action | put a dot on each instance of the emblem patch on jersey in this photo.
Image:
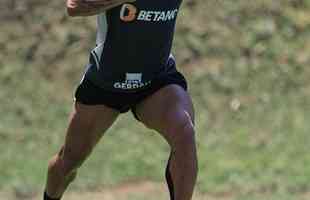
(133, 81)
(130, 13)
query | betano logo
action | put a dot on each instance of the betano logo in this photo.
(130, 13)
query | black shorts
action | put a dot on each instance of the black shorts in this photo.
(89, 94)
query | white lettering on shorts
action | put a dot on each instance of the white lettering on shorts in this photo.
(133, 81)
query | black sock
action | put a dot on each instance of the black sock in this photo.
(46, 197)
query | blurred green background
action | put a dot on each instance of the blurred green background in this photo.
(248, 66)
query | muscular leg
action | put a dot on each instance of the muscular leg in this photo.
(86, 126)
(170, 112)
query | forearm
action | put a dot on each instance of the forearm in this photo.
(84, 12)
(91, 7)
(81, 8)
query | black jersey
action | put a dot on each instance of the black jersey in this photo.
(133, 44)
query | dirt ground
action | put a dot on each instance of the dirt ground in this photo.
(129, 191)
(134, 191)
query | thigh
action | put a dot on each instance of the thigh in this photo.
(86, 126)
(167, 109)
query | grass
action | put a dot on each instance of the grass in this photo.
(247, 69)
(259, 147)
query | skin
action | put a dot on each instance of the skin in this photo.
(169, 111)
(91, 7)
(86, 126)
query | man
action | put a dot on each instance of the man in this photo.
(131, 68)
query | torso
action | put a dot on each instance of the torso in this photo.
(133, 44)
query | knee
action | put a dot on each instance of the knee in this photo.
(182, 133)
(182, 141)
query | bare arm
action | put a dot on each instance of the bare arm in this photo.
(91, 7)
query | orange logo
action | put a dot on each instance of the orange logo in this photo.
(128, 13)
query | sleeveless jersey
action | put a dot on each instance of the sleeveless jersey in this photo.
(133, 44)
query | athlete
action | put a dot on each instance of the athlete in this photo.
(131, 68)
